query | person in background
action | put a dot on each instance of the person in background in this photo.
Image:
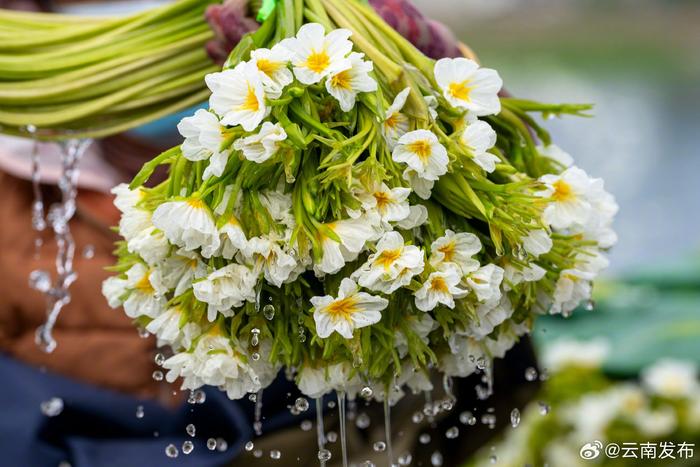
(97, 399)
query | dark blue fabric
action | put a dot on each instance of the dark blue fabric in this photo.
(99, 428)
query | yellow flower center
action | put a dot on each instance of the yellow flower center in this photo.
(342, 80)
(392, 120)
(192, 263)
(448, 251)
(562, 191)
(342, 309)
(318, 61)
(387, 258)
(251, 102)
(195, 203)
(144, 285)
(421, 148)
(460, 91)
(383, 200)
(438, 284)
(268, 67)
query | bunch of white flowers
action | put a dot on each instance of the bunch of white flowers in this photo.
(356, 213)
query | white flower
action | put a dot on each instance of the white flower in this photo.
(423, 153)
(317, 55)
(467, 86)
(126, 199)
(166, 327)
(187, 223)
(419, 185)
(672, 378)
(238, 96)
(351, 310)
(134, 222)
(433, 104)
(263, 145)
(537, 242)
(353, 234)
(150, 244)
(345, 85)
(464, 353)
(514, 275)
(568, 193)
(489, 315)
(479, 137)
(226, 288)
(486, 282)
(266, 254)
(316, 382)
(395, 124)
(273, 66)
(113, 289)
(417, 216)
(441, 287)
(147, 294)
(572, 287)
(180, 270)
(656, 423)
(598, 227)
(457, 248)
(569, 352)
(391, 204)
(203, 135)
(232, 238)
(392, 266)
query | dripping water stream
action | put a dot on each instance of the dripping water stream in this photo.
(59, 216)
(387, 430)
(343, 437)
(257, 423)
(320, 433)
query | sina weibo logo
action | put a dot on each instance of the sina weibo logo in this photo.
(590, 450)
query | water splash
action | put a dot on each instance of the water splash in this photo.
(257, 423)
(343, 435)
(59, 217)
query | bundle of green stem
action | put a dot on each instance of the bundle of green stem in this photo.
(78, 76)
(355, 212)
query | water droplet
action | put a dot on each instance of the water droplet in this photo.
(255, 356)
(417, 417)
(367, 464)
(302, 335)
(424, 438)
(362, 422)
(332, 437)
(191, 430)
(481, 363)
(379, 446)
(306, 425)
(52, 407)
(187, 447)
(197, 397)
(467, 418)
(324, 455)
(366, 392)
(159, 359)
(275, 454)
(452, 433)
(489, 420)
(139, 411)
(171, 451)
(515, 418)
(493, 459)
(211, 444)
(544, 375)
(221, 444)
(40, 280)
(405, 459)
(301, 404)
(249, 446)
(158, 375)
(269, 312)
(89, 251)
(530, 374)
(143, 334)
(436, 459)
(258, 453)
(544, 407)
(447, 405)
(589, 306)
